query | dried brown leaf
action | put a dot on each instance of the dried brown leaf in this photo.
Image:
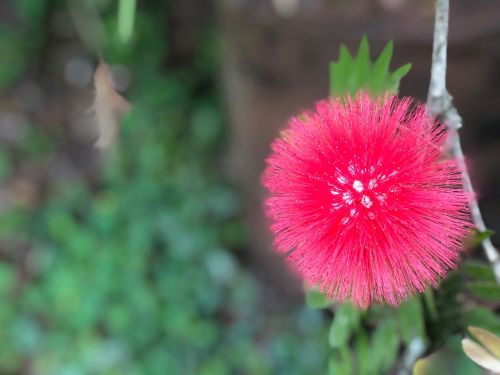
(109, 107)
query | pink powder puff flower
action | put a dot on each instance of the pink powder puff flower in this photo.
(362, 201)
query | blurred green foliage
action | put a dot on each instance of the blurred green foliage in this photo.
(20, 39)
(137, 272)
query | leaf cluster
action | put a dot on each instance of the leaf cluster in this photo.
(351, 74)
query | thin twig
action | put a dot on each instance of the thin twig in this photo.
(440, 104)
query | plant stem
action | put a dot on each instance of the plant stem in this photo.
(126, 15)
(440, 104)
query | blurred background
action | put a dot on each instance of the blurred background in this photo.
(149, 253)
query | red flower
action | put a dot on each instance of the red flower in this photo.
(362, 200)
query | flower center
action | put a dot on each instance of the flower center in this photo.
(358, 186)
(359, 193)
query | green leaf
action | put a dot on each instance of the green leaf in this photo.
(345, 321)
(363, 353)
(339, 71)
(341, 362)
(349, 75)
(381, 67)
(393, 82)
(446, 317)
(384, 346)
(483, 317)
(477, 237)
(479, 270)
(410, 319)
(485, 290)
(362, 66)
(317, 300)
(401, 72)
(430, 303)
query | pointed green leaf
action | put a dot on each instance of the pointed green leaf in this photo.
(345, 55)
(485, 290)
(363, 352)
(381, 67)
(384, 345)
(337, 83)
(477, 237)
(410, 319)
(396, 77)
(339, 71)
(341, 362)
(349, 74)
(401, 72)
(362, 67)
(345, 321)
(479, 270)
(317, 300)
(430, 303)
(364, 49)
(484, 317)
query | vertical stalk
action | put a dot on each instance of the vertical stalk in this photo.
(440, 104)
